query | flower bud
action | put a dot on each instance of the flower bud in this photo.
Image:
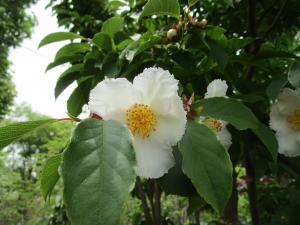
(202, 23)
(171, 34)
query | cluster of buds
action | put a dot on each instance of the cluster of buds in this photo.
(173, 33)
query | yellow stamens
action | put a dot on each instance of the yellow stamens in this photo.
(213, 124)
(141, 120)
(294, 119)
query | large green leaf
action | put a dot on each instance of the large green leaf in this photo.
(267, 136)
(103, 41)
(294, 74)
(276, 86)
(112, 25)
(230, 110)
(218, 53)
(159, 8)
(79, 98)
(64, 59)
(67, 77)
(59, 36)
(98, 172)
(207, 164)
(50, 175)
(13, 132)
(71, 50)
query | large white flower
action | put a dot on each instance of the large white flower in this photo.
(152, 110)
(217, 88)
(285, 120)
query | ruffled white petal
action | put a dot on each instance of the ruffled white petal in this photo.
(170, 128)
(216, 88)
(288, 143)
(288, 101)
(153, 159)
(157, 88)
(224, 137)
(111, 98)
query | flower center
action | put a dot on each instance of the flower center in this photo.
(294, 119)
(141, 120)
(213, 124)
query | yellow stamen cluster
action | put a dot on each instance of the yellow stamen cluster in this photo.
(213, 124)
(294, 119)
(141, 120)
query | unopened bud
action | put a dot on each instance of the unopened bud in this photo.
(171, 34)
(202, 23)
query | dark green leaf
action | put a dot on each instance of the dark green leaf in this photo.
(71, 50)
(112, 25)
(103, 41)
(159, 8)
(67, 77)
(194, 204)
(13, 132)
(294, 74)
(192, 2)
(276, 86)
(59, 36)
(63, 60)
(207, 164)
(218, 53)
(230, 110)
(98, 172)
(267, 136)
(50, 175)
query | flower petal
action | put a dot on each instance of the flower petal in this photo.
(288, 144)
(216, 88)
(111, 98)
(157, 87)
(288, 101)
(224, 137)
(153, 159)
(170, 128)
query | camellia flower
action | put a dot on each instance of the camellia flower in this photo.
(285, 120)
(152, 110)
(217, 88)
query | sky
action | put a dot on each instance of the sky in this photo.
(34, 86)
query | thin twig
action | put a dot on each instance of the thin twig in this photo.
(142, 195)
(157, 204)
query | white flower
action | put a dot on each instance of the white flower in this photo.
(151, 109)
(217, 88)
(285, 120)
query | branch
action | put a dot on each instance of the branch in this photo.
(141, 193)
(157, 205)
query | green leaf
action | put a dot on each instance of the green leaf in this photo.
(13, 132)
(63, 60)
(98, 172)
(72, 49)
(78, 98)
(103, 41)
(111, 67)
(161, 8)
(67, 78)
(228, 109)
(194, 204)
(207, 164)
(218, 53)
(276, 86)
(192, 2)
(228, 2)
(112, 25)
(50, 175)
(267, 136)
(294, 74)
(59, 36)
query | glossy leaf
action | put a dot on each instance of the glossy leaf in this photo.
(228, 109)
(112, 25)
(294, 74)
(103, 41)
(72, 49)
(67, 77)
(207, 164)
(161, 8)
(59, 36)
(13, 132)
(267, 136)
(50, 175)
(98, 172)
